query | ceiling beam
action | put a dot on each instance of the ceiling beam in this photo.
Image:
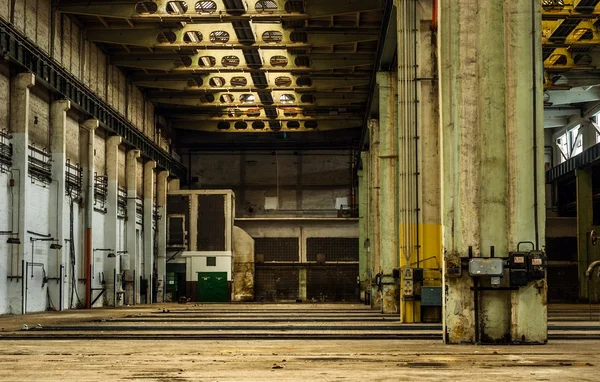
(266, 126)
(320, 8)
(571, 96)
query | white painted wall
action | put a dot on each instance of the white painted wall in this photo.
(196, 262)
(4, 248)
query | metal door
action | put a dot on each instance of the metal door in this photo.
(212, 287)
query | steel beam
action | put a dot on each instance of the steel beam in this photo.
(27, 57)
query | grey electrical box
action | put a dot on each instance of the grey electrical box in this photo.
(431, 296)
(486, 267)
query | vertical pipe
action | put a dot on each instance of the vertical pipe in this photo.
(88, 268)
(534, 44)
(23, 278)
(60, 288)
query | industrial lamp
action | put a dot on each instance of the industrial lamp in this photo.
(13, 240)
(55, 245)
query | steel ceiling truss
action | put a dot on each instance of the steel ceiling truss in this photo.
(18, 50)
(266, 56)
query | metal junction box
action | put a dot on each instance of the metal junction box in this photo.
(518, 269)
(486, 267)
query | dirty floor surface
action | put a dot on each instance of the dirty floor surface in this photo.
(231, 342)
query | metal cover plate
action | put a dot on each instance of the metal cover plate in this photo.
(486, 267)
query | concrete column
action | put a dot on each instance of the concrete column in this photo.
(161, 231)
(374, 210)
(363, 224)
(493, 164)
(173, 185)
(19, 121)
(57, 261)
(418, 151)
(148, 226)
(585, 221)
(111, 219)
(388, 161)
(130, 227)
(588, 134)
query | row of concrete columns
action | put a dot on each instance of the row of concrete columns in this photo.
(456, 165)
(58, 265)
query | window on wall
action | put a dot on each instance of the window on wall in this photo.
(211, 261)
(597, 119)
(570, 144)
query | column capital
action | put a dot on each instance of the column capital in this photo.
(26, 80)
(114, 140)
(91, 124)
(62, 104)
(163, 174)
(133, 154)
(150, 165)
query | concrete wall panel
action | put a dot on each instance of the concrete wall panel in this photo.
(4, 98)
(4, 248)
(100, 152)
(72, 138)
(39, 116)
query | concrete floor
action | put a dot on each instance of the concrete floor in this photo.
(301, 342)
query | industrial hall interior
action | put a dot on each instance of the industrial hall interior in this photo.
(299, 190)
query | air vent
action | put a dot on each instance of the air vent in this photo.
(205, 7)
(265, 6)
(207, 61)
(239, 81)
(192, 37)
(177, 7)
(219, 37)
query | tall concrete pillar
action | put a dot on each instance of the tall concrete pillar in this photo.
(418, 153)
(374, 210)
(492, 165)
(19, 121)
(388, 197)
(148, 254)
(586, 252)
(161, 232)
(57, 262)
(363, 223)
(111, 222)
(173, 185)
(134, 273)
(588, 134)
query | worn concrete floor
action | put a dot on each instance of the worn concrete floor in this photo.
(157, 358)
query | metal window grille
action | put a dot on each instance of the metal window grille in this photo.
(277, 249)
(5, 152)
(121, 202)
(73, 180)
(39, 167)
(335, 249)
(100, 191)
(139, 209)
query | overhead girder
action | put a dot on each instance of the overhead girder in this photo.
(236, 114)
(200, 103)
(573, 79)
(220, 60)
(269, 126)
(571, 9)
(563, 59)
(583, 34)
(321, 8)
(156, 11)
(253, 98)
(236, 82)
(571, 96)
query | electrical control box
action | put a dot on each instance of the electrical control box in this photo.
(518, 263)
(486, 267)
(537, 265)
(408, 288)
